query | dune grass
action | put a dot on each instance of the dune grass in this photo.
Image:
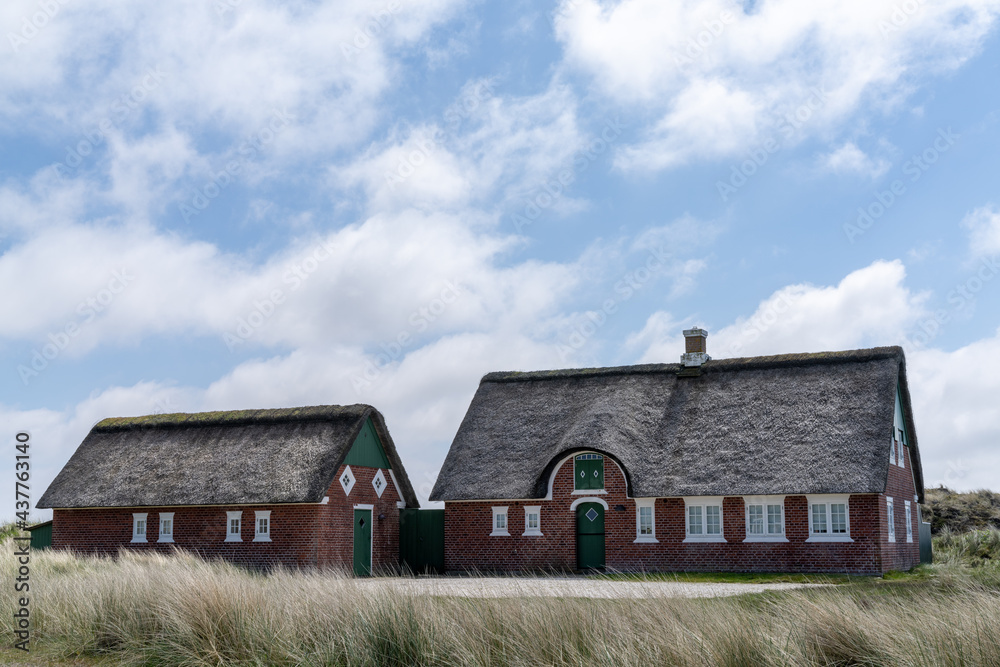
(180, 610)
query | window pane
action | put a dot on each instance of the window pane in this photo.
(234, 526)
(500, 521)
(645, 520)
(819, 518)
(533, 520)
(694, 520)
(755, 513)
(165, 526)
(140, 527)
(838, 518)
(774, 526)
(713, 521)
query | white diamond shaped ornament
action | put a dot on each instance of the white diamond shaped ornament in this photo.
(379, 483)
(591, 514)
(347, 480)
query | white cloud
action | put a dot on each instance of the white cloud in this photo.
(851, 159)
(719, 81)
(983, 225)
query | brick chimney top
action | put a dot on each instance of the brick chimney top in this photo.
(694, 347)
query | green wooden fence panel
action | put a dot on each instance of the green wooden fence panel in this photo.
(421, 540)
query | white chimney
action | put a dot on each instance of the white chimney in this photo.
(694, 347)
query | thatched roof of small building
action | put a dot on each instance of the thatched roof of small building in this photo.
(217, 458)
(787, 424)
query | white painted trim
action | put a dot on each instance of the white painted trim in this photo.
(532, 532)
(234, 537)
(169, 538)
(400, 504)
(827, 499)
(325, 501)
(708, 539)
(363, 506)
(379, 488)
(645, 539)
(765, 536)
(136, 518)
(589, 492)
(350, 480)
(258, 536)
(703, 502)
(395, 484)
(500, 532)
(579, 501)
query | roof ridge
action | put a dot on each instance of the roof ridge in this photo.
(231, 417)
(733, 363)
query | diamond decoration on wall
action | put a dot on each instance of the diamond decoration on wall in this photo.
(591, 514)
(347, 480)
(379, 483)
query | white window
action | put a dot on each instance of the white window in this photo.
(892, 449)
(703, 519)
(765, 517)
(139, 527)
(901, 451)
(645, 520)
(533, 520)
(347, 480)
(829, 518)
(891, 519)
(262, 526)
(234, 526)
(166, 527)
(909, 522)
(379, 483)
(499, 521)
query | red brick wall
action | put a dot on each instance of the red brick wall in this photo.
(901, 555)
(337, 521)
(468, 544)
(302, 535)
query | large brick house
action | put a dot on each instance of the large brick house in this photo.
(794, 463)
(305, 487)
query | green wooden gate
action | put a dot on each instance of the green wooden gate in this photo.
(362, 542)
(421, 540)
(590, 536)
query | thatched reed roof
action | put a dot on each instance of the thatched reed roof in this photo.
(787, 424)
(217, 458)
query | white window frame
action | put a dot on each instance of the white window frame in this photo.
(890, 518)
(764, 501)
(892, 449)
(257, 535)
(350, 480)
(703, 502)
(501, 532)
(909, 521)
(138, 517)
(651, 504)
(234, 537)
(379, 483)
(528, 511)
(901, 453)
(827, 500)
(166, 537)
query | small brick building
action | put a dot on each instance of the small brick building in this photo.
(305, 487)
(790, 463)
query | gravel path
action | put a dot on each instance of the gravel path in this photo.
(573, 587)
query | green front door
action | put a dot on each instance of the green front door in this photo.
(589, 536)
(362, 542)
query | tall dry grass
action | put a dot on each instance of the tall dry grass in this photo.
(180, 610)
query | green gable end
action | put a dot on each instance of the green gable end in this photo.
(367, 449)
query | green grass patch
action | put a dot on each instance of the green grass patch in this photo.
(728, 577)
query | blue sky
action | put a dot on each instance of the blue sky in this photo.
(242, 204)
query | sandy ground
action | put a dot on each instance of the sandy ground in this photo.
(571, 587)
